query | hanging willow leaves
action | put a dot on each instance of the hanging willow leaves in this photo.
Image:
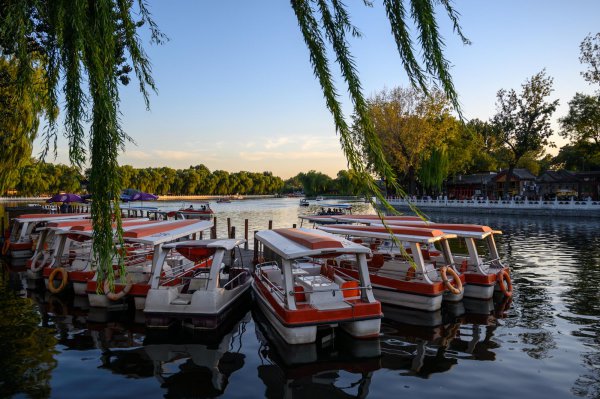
(85, 48)
(325, 23)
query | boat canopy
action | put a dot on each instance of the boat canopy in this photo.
(64, 224)
(43, 217)
(461, 230)
(156, 232)
(369, 219)
(402, 233)
(297, 243)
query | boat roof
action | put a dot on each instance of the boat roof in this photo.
(86, 227)
(44, 217)
(340, 206)
(402, 233)
(166, 231)
(368, 219)
(296, 243)
(157, 232)
(66, 224)
(461, 230)
(224, 243)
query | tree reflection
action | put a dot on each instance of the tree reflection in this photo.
(27, 349)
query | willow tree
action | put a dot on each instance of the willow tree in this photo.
(86, 44)
(86, 48)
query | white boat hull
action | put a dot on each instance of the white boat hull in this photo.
(413, 301)
(291, 335)
(479, 291)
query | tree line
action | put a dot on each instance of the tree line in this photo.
(37, 178)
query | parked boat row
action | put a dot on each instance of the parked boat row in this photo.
(303, 280)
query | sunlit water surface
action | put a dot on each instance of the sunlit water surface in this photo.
(545, 344)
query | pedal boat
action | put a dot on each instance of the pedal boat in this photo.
(298, 294)
(206, 296)
(409, 277)
(25, 230)
(485, 273)
(142, 256)
(71, 251)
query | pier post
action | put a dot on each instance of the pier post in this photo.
(294, 226)
(270, 225)
(228, 227)
(246, 233)
(232, 232)
(213, 231)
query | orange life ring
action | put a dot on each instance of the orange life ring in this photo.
(5, 247)
(444, 271)
(63, 283)
(115, 296)
(502, 276)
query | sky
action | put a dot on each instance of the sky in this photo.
(236, 89)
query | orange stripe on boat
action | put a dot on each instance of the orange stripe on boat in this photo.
(405, 230)
(309, 240)
(146, 231)
(375, 217)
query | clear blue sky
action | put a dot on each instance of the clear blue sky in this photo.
(236, 89)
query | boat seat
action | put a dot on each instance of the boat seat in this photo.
(182, 299)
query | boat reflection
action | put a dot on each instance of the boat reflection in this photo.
(336, 365)
(424, 343)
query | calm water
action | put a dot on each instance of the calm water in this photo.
(546, 343)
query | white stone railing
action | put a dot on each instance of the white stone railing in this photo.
(499, 204)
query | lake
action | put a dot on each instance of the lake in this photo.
(545, 343)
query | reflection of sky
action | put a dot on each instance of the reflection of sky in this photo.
(236, 89)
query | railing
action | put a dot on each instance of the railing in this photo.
(517, 204)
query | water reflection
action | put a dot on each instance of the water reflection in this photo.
(27, 350)
(336, 366)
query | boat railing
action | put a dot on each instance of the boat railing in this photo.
(244, 273)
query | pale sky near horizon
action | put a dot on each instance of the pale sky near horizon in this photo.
(236, 89)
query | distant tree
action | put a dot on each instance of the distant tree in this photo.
(582, 123)
(578, 156)
(590, 55)
(409, 123)
(523, 121)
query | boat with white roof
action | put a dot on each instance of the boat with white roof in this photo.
(407, 276)
(25, 230)
(207, 295)
(299, 294)
(485, 272)
(327, 214)
(142, 256)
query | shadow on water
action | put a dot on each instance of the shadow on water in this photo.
(26, 348)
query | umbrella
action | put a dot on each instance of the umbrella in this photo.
(144, 197)
(65, 198)
(136, 195)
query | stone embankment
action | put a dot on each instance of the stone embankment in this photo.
(570, 208)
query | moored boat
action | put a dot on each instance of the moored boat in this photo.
(304, 202)
(484, 273)
(25, 230)
(299, 293)
(327, 214)
(142, 256)
(207, 295)
(406, 275)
